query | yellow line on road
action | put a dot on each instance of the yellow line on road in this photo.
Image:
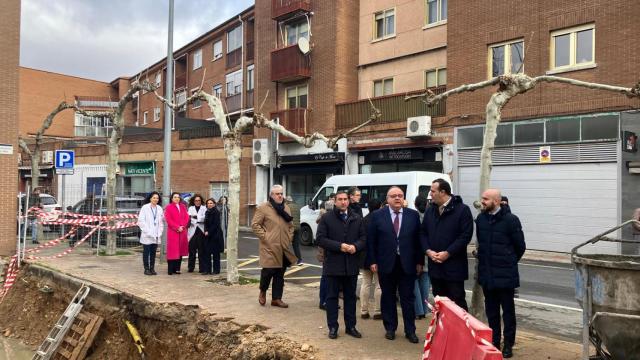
(296, 269)
(304, 278)
(248, 262)
(249, 269)
(313, 284)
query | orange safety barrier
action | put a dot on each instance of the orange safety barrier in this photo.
(453, 334)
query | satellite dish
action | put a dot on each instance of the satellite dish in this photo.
(303, 45)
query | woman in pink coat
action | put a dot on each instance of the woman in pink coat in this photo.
(177, 219)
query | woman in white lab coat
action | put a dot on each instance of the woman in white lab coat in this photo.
(197, 212)
(151, 223)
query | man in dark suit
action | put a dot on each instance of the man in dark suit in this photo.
(446, 231)
(394, 252)
(341, 235)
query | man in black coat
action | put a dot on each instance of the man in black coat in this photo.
(394, 252)
(447, 229)
(341, 234)
(500, 247)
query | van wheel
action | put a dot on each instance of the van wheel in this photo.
(306, 235)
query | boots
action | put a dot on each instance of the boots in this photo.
(153, 271)
(147, 272)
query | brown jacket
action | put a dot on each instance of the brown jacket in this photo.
(275, 236)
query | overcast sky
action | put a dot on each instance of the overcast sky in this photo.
(102, 40)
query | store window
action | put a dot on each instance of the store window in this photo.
(303, 187)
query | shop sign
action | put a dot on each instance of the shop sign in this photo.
(143, 168)
(396, 154)
(321, 157)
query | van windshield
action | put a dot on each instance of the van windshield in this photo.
(373, 192)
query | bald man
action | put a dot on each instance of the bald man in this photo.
(500, 247)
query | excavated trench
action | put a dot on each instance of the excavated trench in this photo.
(168, 330)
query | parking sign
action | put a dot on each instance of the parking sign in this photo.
(65, 160)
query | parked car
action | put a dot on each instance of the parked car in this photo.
(49, 205)
(127, 237)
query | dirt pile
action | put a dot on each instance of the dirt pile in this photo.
(169, 331)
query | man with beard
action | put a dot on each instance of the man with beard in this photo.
(500, 247)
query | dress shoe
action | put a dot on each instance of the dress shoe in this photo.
(177, 272)
(364, 316)
(147, 272)
(420, 317)
(279, 303)
(390, 335)
(153, 272)
(507, 351)
(190, 270)
(333, 333)
(412, 338)
(322, 307)
(353, 332)
(377, 316)
(262, 298)
(205, 273)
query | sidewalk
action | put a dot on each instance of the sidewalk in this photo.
(537, 255)
(302, 322)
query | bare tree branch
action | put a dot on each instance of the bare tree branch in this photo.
(23, 145)
(432, 98)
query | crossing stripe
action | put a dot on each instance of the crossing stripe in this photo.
(244, 263)
(304, 278)
(296, 269)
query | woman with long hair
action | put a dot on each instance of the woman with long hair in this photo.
(223, 208)
(214, 243)
(177, 224)
(195, 234)
(151, 223)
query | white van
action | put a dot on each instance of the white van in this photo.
(371, 186)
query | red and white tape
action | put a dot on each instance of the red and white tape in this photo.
(432, 328)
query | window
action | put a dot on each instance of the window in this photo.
(506, 58)
(436, 77)
(156, 114)
(92, 126)
(217, 90)
(296, 31)
(145, 116)
(470, 137)
(385, 24)
(196, 102)
(197, 59)
(383, 87)
(321, 197)
(250, 80)
(217, 50)
(436, 11)
(234, 83)
(529, 133)
(573, 47)
(158, 79)
(600, 127)
(181, 98)
(234, 39)
(563, 129)
(297, 97)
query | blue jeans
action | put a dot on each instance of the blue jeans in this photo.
(421, 292)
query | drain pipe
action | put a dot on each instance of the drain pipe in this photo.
(243, 92)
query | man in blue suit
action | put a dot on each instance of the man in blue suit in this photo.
(394, 252)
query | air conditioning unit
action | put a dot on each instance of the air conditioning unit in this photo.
(260, 152)
(47, 157)
(419, 126)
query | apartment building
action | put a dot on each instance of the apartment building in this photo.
(307, 57)
(402, 50)
(564, 155)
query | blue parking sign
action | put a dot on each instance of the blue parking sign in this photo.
(65, 159)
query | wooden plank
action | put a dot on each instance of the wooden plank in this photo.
(89, 336)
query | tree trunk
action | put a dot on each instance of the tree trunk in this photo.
(112, 169)
(233, 150)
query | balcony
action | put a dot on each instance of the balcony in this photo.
(293, 120)
(181, 80)
(234, 58)
(281, 9)
(289, 64)
(233, 102)
(393, 108)
(95, 102)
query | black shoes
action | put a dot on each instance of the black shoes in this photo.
(507, 351)
(364, 316)
(412, 338)
(353, 332)
(333, 333)
(153, 272)
(147, 272)
(322, 307)
(390, 335)
(377, 316)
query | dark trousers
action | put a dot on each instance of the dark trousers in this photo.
(323, 290)
(205, 257)
(398, 282)
(173, 265)
(493, 300)
(277, 274)
(348, 286)
(216, 261)
(196, 245)
(149, 256)
(454, 290)
(296, 244)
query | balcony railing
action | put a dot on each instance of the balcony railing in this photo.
(289, 64)
(181, 80)
(95, 102)
(200, 132)
(233, 102)
(234, 58)
(249, 100)
(392, 107)
(283, 8)
(294, 120)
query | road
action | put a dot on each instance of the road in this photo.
(545, 302)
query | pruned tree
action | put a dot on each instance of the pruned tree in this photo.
(509, 86)
(231, 137)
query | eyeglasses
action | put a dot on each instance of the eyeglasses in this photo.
(277, 193)
(396, 196)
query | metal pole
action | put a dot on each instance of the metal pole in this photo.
(64, 209)
(20, 221)
(168, 121)
(100, 222)
(26, 207)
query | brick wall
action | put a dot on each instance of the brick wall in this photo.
(473, 25)
(9, 85)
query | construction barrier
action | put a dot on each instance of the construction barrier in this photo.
(453, 334)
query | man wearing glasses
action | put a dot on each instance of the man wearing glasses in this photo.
(394, 252)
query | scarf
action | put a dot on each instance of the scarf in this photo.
(280, 210)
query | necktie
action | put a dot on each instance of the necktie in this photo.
(396, 223)
(344, 216)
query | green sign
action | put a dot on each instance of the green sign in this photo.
(141, 168)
